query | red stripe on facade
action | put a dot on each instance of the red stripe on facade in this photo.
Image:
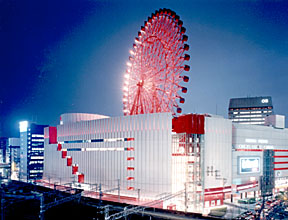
(284, 162)
(130, 188)
(218, 189)
(130, 178)
(283, 168)
(130, 158)
(213, 193)
(286, 156)
(247, 184)
(130, 148)
(130, 168)
(175, 155)
(214, 189)
(281, 150)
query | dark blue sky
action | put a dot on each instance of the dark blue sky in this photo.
(70, 56)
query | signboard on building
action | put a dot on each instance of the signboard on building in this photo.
(249, 165)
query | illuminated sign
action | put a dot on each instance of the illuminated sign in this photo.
(249, 164)
(249, 140)
(265, 101)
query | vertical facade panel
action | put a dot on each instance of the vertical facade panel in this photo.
(148, 135)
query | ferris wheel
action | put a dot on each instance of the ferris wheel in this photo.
(154, 70)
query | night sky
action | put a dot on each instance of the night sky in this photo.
(70, 55)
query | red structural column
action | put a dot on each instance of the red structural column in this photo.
(69, 161)
(74, 169)
(52, 135)
(81, 178)
(64, 153)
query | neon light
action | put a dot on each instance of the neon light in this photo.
(264, 101)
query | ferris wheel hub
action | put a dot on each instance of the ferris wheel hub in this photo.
(140, 83)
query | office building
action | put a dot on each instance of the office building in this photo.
(31, 151)
(4, 158)
(250, 110)
(3, 149)
(14, 157)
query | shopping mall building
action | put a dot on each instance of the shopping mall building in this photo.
(194, 161)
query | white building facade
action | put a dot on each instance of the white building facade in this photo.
(194, 161)
(134, 152)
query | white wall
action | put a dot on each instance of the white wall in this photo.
(217, 150)
(152, 144)
(253, 139)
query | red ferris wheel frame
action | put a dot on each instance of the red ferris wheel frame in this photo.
(153, 75)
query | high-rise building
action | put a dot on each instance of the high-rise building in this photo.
(31, 151)
(3, 149)
(14, 157)
(250, 110)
